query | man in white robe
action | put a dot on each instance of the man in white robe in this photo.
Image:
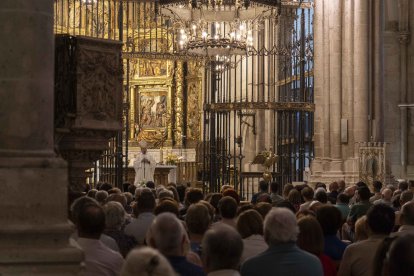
(144, 166)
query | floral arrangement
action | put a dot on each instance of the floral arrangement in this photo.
(172, 159)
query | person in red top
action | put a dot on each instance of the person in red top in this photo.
(311, 240)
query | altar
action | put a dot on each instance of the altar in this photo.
(163, 175)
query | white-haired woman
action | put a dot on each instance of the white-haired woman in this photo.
(146, 261)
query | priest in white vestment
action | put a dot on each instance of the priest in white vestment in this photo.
(144, 166)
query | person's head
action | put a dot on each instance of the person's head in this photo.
(78, 205)
(167, 205)
(118, 198)
(264, 197)
(167, 234)
(150, 184)
(145, 202)
(174, 191)
(131, 189)
(114, 215)
(144, 146)
(310, 237)
(361, 229)
(333, 186)
(233, 194)
(280, 227)
(214, 200)
(219, 255)
(350, 191)
(274, 187)
(321, 196)
(363, 192)
(407, 213)
(193, 195)
(165, 194)
(403, 186)
(305, 213)
(294, 197)
(342, 198)
(91, 221)
(101, 196)
(377, 186)
(330, 219)
(341, 185)
(361, 184)
(263, 208)
(386, 194)
(320, 185)
(286, 190)
(249, 223)
(244, 207)
(285, 204)
(114, 191)
(307, 193)
(105, 187)
(380, 219)
(92, 192)
(129, 197)
(401, 256)
(210, 208)
(146, 261)
(227, 207)
(263, 186)
(405, 197)
(197, 219)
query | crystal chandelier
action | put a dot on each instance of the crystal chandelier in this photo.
(217, 30)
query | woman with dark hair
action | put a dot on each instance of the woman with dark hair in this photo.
(330, 219)
(311, 239)
(250, 227)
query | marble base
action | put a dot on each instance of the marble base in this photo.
(34, 231)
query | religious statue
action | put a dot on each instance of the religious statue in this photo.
(144, 166)
(161, 109)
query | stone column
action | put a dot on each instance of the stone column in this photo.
(361, 73)
(318, 74)
(347, 75)
(33, 199)
(378, 74)
(335, 69)
(404, 38)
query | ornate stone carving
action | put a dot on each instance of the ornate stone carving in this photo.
(88, 105)
(178, 128)
(372, 162)
(194, 80)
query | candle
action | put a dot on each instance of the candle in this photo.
(161, 156)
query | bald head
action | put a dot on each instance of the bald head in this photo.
(387, 194)
(167, 234)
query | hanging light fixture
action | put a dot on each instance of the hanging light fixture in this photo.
(217, 29)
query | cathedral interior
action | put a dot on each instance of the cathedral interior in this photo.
(223, 91)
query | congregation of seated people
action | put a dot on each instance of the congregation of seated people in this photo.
(295, 230)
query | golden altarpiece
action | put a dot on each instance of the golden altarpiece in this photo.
(162, 92)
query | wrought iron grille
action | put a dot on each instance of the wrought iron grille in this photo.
(265, 101)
